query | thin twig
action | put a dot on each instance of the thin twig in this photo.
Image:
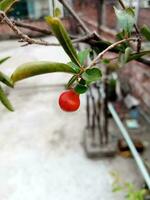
(31, 27)
(84, 38)
(100, 55)
(76, 17)
(24, 38)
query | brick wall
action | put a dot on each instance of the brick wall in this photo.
(6, 32)
(144, 16)
(138, 77)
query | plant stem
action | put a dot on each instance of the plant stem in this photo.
(100, 55)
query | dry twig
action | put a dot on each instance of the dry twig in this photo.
(24, 38)
(100, 55)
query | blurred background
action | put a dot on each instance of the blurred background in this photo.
(42, 149)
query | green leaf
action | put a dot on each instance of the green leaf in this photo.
(71, 81)
(37, 68)
(82, 55)
(57, 12)
(74, 67)
(128, 51)
(80, 89)
(135, 56)
(91, 75)
(5, 5)
(4, 59)
(4, 100)
(82, 81)
(106, 61)
(117, 189)
(5, 79)
(145, 30)
(126, 19)
(63, 37)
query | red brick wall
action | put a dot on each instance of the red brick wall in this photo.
(6, 32)
(110, 19)
(144, 16)
(138, 76)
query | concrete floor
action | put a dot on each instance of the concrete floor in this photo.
(41, 153)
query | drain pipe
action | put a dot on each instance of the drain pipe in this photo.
(134, 152)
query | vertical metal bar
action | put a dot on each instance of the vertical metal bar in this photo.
(131, 145)
(99, 116)
(106, 111)
(137, 10)
(88, 110)
(93, 115)
(100, 12)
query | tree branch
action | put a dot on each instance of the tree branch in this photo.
(100, 55)
(31, 27)
(76, 17)
(24, 38)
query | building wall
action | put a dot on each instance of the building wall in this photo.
(135, 73)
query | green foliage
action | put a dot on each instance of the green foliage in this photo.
(5, 5)
(91, 75)
(82, 55)
(37, 68)
(62, 36)
(5, 79)
(126, 20)
(136, 56)
(4, 100)
(57, 12)
(127, 54)
(4, 59)
(71, 81)
(80, 89)
(131, 192)
(74, 66)
(145, 30)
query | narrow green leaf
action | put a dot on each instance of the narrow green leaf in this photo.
(128, 51)
(135, 56)
(74, 67)
(5, 5)
(57, 12)
(63, 37)
(4, 59)
(80, 89)
(37, 68)
(71, 81)
(82, 55)
(122, 59)
(91, 75)
(145, 30)
(126, 19)
(4, 100)
(5, 79)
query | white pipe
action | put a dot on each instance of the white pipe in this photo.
(134, 152)
(137, 10)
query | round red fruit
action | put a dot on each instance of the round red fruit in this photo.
(69, 101)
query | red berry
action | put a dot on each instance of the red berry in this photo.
(69, 101)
